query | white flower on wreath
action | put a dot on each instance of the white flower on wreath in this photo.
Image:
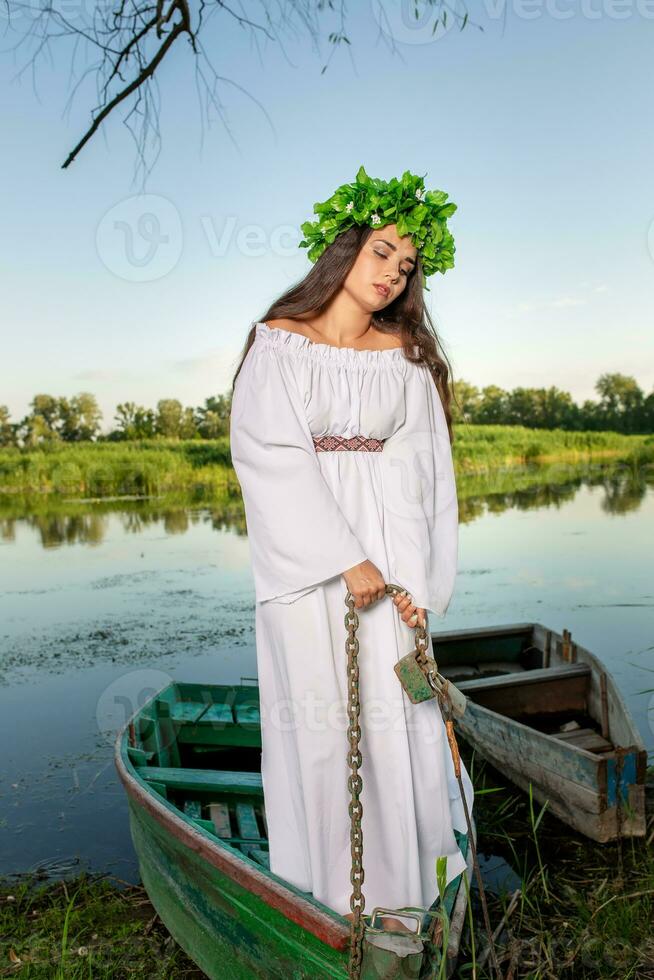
(349, 206)
(420, 193)
(375, 219)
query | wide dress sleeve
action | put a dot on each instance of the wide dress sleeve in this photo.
(297, 533)
(421, 512)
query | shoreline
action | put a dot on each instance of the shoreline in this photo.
(104, 471)
(591, 925)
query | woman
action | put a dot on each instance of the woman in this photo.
(341, 441)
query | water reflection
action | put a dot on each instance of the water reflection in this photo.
(624, 487)
(165, 584)
(77, 521)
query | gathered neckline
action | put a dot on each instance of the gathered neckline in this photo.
(352, 355)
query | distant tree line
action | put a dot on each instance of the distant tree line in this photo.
(56, 419)
(622, 407)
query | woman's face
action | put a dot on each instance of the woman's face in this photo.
(385, 260)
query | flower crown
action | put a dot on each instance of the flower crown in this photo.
(404, 203)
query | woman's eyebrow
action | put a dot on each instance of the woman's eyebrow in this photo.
(394, 247)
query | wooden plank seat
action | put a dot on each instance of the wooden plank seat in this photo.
(185, 712)
(474, 672)
(250, 841)
(220, 722)
(585, 738)
(197, 713)
(213, 724)
(247, 714)
(217, 714)
(193, 809)
(206, 780)
(540, 691)
(220, 818)
(541, 675)
(246, 820)
(192, 712)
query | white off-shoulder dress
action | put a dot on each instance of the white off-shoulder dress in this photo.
(311, 516)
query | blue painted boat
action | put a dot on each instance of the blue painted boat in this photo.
(546, 712)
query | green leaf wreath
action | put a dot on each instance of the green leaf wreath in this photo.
(420, 213)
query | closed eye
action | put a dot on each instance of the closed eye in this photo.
(384, 256)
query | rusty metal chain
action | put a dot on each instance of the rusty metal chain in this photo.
(355, 785)
(355, 781)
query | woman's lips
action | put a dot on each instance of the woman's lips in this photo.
(384, 290)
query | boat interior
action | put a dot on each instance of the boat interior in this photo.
(199, 747)
(531, 675)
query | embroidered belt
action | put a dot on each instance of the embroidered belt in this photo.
(362, 444)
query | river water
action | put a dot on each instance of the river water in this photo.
(102, 603)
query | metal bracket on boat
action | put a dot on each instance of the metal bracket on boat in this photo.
(408, 913)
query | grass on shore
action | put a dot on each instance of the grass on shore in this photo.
(164, 466)
(92, 926)
(583, 911)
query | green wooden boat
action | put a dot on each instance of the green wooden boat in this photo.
(189, 760)
(544, 710)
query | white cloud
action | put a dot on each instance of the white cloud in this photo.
(218, 358)
(557, 303)
(102, 374)
(564, 301)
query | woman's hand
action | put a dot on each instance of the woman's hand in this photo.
(411, 614)
(366, 583)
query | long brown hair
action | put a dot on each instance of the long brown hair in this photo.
(406, 317)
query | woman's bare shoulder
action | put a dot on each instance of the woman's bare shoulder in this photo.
(386, 340)
(392, 339)
(283, 323)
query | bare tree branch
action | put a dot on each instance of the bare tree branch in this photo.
(123, 32)
(147, 71)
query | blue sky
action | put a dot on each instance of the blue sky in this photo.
(539, 128)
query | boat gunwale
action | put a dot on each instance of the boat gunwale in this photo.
(598, 757)
(327, 925)
(483, 631)
(612, 685)
(304, 911)
(597, 666)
